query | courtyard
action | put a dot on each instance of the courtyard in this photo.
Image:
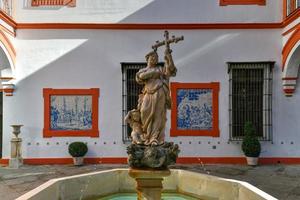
(280, 181)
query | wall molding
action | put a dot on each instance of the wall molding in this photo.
(9, 47)
(292, 41)
(242, 2)
(149, 26)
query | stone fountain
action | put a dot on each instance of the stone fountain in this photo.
(149, 155)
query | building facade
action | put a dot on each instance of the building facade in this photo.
(67, 71)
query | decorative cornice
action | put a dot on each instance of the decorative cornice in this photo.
(6, 18)
(148, 26)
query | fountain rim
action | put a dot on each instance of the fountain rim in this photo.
(55, 180)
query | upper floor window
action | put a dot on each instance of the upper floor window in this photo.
(70, 3)
(6, 6)
(290, 6)
(242, 2)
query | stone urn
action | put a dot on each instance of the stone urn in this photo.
(16, 148)
(16, 129)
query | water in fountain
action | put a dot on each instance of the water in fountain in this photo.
(132, 196)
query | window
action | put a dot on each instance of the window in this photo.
(250, 98)
(242, 2)
(69, 3)
(130, 93)
(290, 6)
(6, 6)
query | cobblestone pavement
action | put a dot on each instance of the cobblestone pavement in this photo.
(280, 181)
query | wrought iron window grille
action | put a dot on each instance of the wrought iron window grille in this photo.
(250, 98)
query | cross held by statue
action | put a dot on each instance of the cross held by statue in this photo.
(167, 42)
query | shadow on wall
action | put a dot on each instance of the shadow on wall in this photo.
(77, 55)
(169, 11)
(195, 11)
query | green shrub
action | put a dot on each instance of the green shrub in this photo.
(78, 149)
(250, 145)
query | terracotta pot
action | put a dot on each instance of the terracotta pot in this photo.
(252, 161)
(78, 161)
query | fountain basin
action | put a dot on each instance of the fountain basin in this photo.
(104, 183)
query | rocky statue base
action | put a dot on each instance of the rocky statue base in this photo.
(153, 157)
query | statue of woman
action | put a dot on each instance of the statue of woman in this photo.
(155, 98)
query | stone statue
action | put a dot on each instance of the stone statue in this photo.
(148, 124)
(133, 118)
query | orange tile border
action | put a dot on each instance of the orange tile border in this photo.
(47, 132)
(215, 87)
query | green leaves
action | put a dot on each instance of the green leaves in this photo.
(77, 149)
(250, 145)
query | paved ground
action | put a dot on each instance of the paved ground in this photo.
(281, 181)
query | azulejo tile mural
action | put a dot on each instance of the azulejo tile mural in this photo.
(195, 109)
(71, 112)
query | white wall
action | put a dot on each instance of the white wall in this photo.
(149, 11)
(91, 58)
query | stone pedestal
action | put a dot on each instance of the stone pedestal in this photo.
(149, 182)
(16, 160)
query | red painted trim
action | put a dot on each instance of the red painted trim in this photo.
(8, 91)
(292, 17)
(149, 26)
(47, 132)
(3, 28)
(7, 19)
(242, 2)
(289, 91)
(277, 160)
(215, 86)
(292, 41)
(4, 161)
(181, 160)
(290, 30)
(9, 47)
(288, 19)
(6, 78)
(290, 78)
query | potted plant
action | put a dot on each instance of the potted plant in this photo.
(250, 145)
(77, 150)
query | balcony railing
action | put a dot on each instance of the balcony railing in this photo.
(6, 6)
(70, 3)
(291, 6)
